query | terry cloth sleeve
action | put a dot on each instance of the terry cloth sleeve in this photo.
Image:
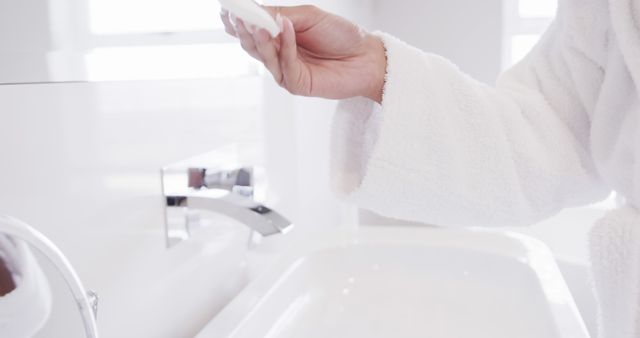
(445, 149)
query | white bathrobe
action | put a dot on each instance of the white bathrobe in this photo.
(560, 129)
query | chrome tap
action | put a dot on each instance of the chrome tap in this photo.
(231, 192)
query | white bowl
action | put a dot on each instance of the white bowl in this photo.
(407, 282)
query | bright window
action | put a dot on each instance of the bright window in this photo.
(161, 39)
(521, 45)
(537, 8)
(148, 16)
(525, 21)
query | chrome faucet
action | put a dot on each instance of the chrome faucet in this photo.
(231, 192)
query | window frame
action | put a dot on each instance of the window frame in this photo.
(88, 41)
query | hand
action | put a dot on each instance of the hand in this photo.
(317, 54)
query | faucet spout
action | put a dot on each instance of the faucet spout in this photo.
(235, 193)
(256, 216)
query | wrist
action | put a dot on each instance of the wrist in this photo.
(377, 55)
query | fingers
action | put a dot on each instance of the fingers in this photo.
(289, 64)
(247, 40)
(303, 17)
(288, 45)
(267, 48)
(228, 26)
(279, 55)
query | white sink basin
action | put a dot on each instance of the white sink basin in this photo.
(407, 282)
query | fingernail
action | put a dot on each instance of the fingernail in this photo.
(224, 12)
(233, 19)
(251, 29)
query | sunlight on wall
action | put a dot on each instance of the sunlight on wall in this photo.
(224, 60)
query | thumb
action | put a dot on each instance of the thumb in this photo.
(289, 62)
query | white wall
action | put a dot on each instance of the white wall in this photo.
(26, 51)
(43, 40)
(468, 32)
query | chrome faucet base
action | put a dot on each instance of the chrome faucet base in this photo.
(231, 190)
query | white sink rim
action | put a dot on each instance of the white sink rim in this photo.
(527, 250)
